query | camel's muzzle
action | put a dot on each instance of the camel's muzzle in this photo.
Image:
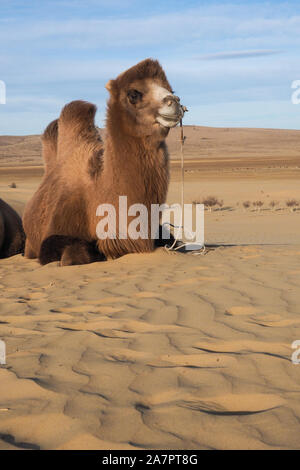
(171, 111)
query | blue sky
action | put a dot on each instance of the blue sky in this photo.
(231, 62)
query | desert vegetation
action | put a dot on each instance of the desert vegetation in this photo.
(246, 205)
(214, 203)
(210, 202)
(258, 205)
(292, 204)
(273, 204)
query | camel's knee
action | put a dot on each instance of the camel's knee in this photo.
(77, 253)
(69, 251)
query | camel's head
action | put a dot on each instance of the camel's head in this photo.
(144, 98)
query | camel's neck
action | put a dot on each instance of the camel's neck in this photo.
(133, 152)
(138, 165)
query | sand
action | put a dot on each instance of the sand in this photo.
(162, 351)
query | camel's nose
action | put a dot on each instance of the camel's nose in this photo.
(171, 111)
(171, 100)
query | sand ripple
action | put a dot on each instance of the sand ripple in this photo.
(152, 351)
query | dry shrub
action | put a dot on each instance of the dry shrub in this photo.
(292, 204)
(210, 202)
(258, 204)
(273, 204)
(246, 204)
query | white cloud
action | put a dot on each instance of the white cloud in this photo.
(240, 54)
(198, 23)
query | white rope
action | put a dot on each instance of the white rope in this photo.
(175, 246)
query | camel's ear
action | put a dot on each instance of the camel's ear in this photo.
(110, 86)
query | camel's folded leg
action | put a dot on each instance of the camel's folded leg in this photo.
(79, 252)
(69, 251)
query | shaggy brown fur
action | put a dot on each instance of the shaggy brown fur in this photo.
(49, 145)
(84, 173)
(12, 237)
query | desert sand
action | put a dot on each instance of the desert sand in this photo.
(163, 350)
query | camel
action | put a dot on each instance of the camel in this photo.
(82, 171)
(12, 237)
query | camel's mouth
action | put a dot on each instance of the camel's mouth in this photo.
(169, 116)
(167, 120)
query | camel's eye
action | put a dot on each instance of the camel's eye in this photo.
(134, 96)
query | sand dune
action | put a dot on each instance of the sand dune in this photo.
(128, 354)
(165, 351)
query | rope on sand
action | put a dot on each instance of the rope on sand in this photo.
(177, 244)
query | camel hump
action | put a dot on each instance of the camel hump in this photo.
(78, 137)
(51, 132)
(49, 141)
(78, 112)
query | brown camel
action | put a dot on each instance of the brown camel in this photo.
(82, 172)
(12, 237)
